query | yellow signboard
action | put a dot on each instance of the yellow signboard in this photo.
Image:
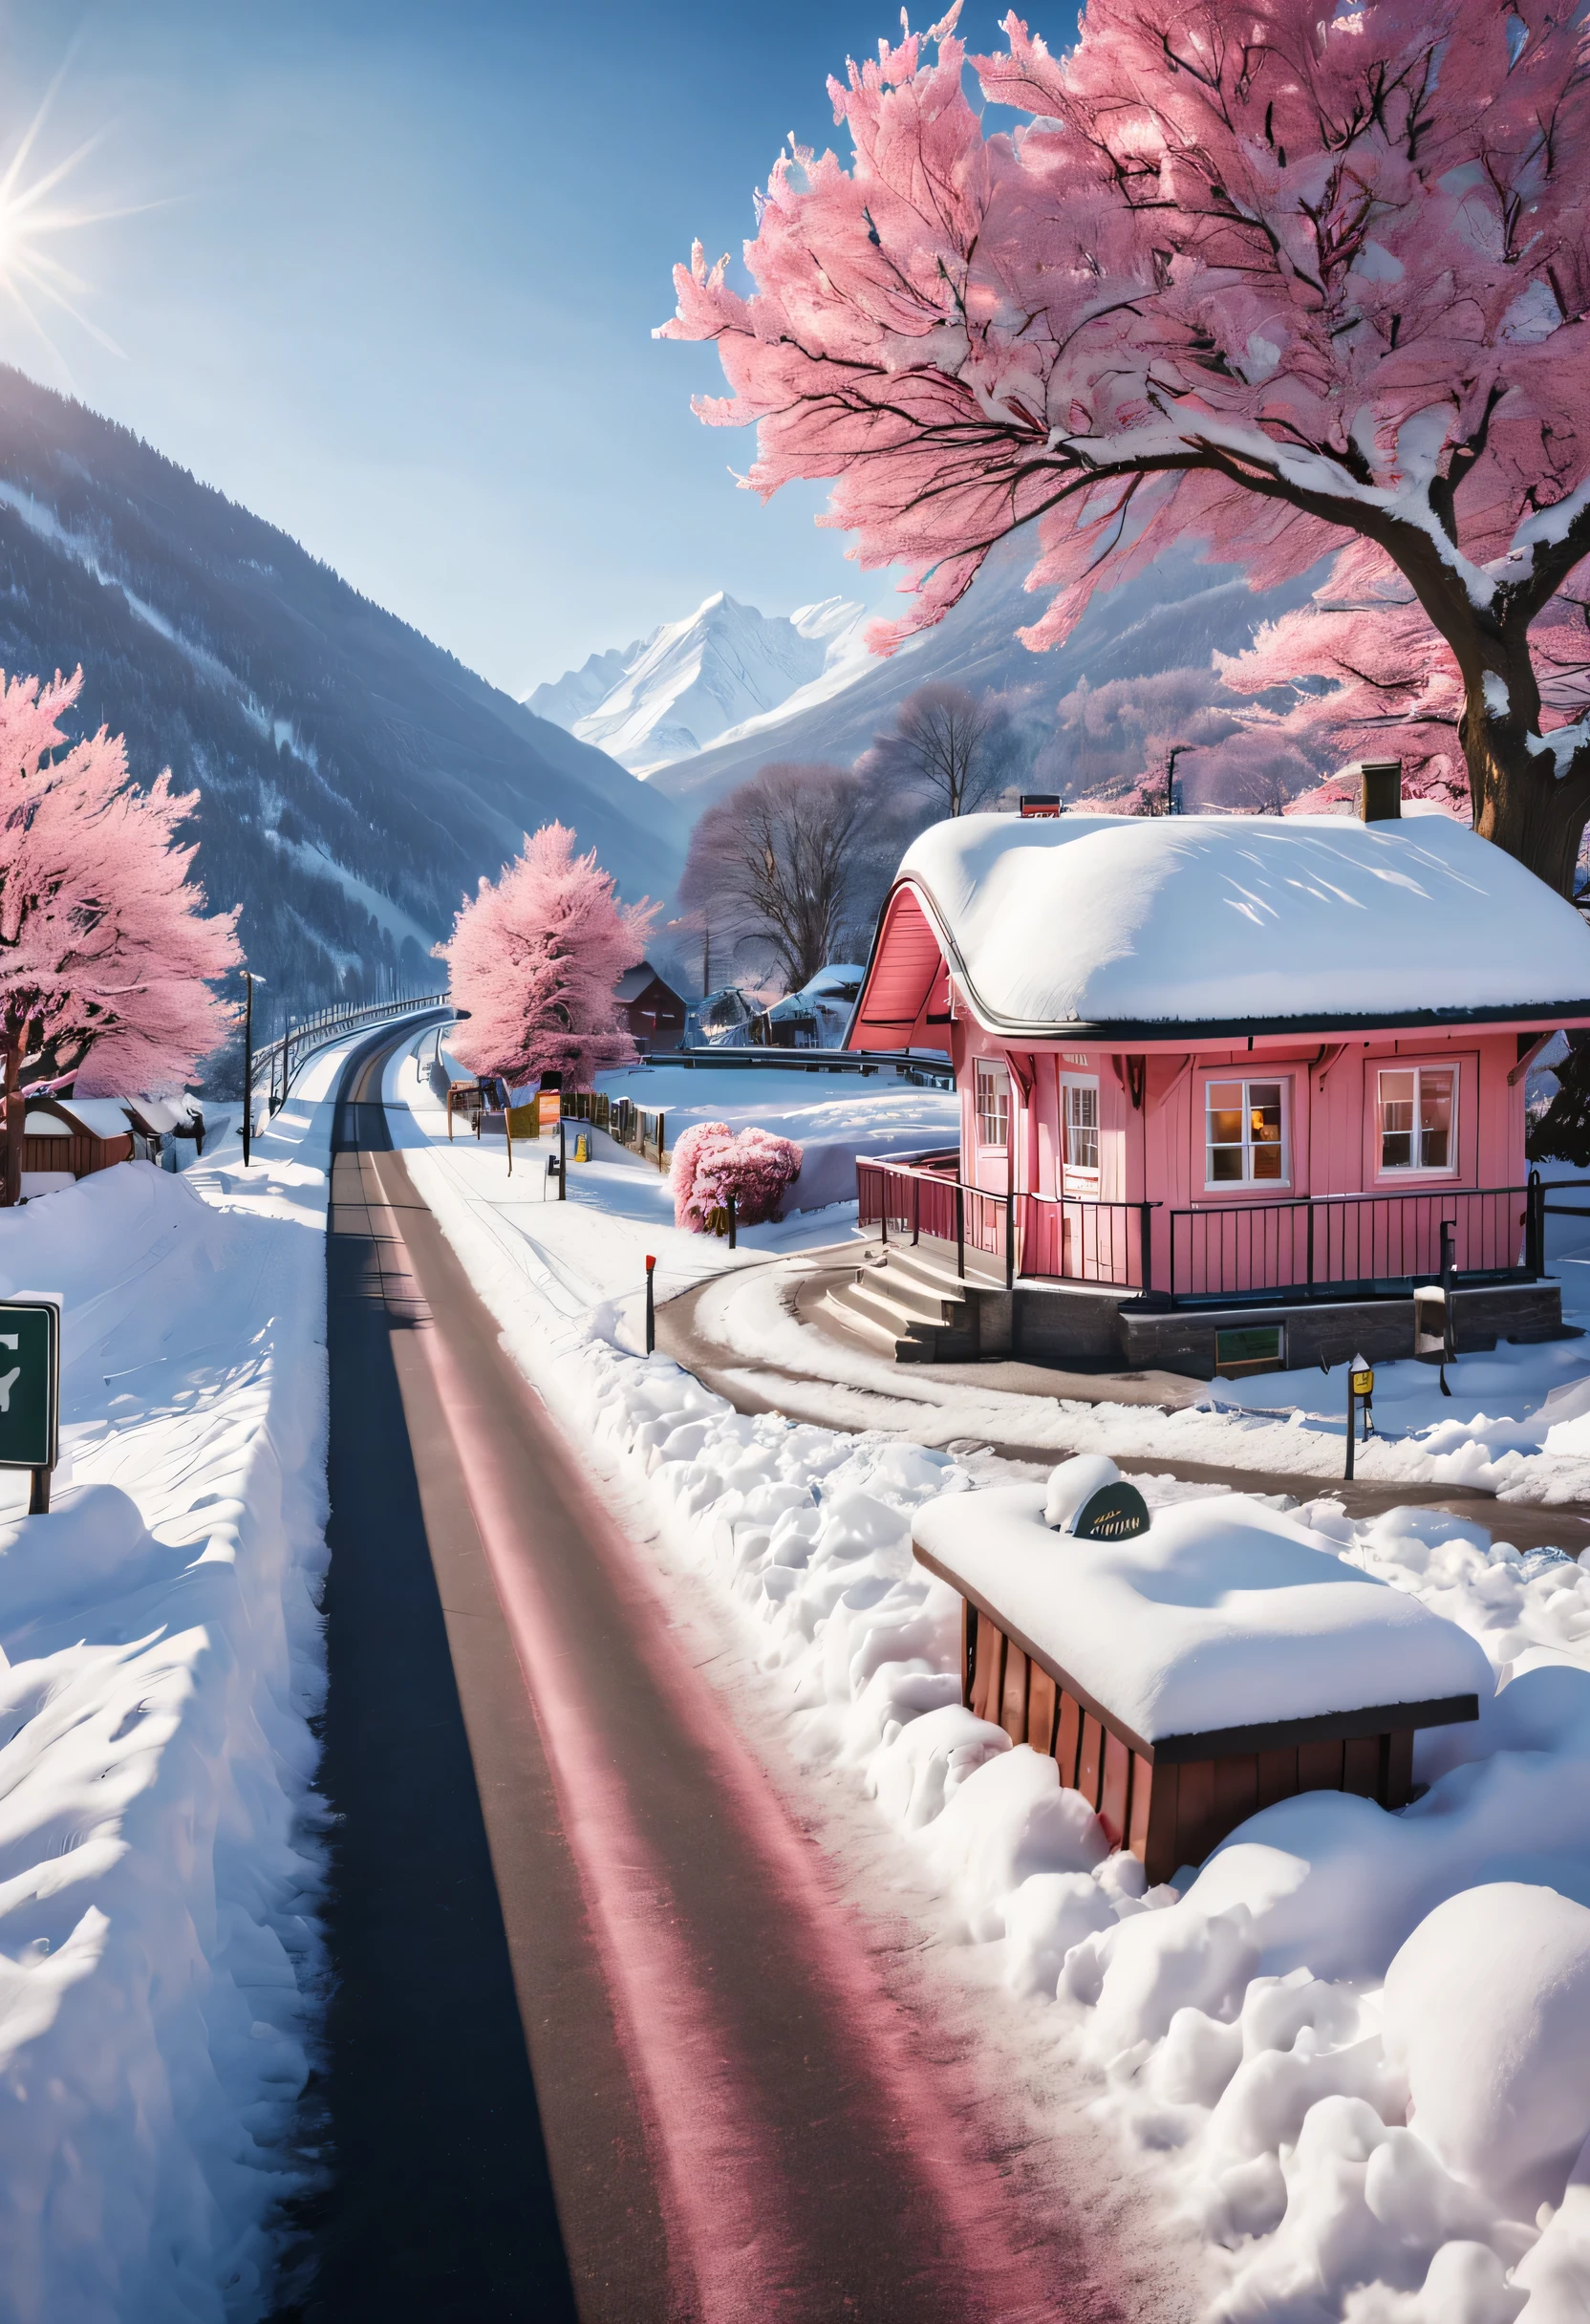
(1362, 1384)
(550, 1105)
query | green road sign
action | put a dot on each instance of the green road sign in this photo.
(29, 1382)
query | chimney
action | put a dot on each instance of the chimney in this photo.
(1380, 789)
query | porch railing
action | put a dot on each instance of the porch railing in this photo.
(1336, 1246)
(1354, 1245)
(1056, 1237)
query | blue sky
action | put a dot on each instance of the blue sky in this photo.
(395, 279)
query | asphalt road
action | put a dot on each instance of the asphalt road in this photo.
(605, 2039)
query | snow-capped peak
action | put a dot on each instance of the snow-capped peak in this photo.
(670, 695)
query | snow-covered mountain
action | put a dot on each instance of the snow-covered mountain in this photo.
(695, 682)
(1170, 618)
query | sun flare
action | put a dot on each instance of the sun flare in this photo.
(36, 214)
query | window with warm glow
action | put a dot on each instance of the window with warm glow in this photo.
(993, 1095)
(1246, 1133)
(1079, 1124)
(1418, 1117)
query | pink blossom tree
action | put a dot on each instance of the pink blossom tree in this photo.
(534, 957)
(711, 1164)
(1278, 278)
(1360, 673)
(106, 958)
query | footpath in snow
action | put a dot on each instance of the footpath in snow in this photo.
(1352, 2050)
(160, 1852)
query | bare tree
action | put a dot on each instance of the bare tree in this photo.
(779, 861)
(950, 744)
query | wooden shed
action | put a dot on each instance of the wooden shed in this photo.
(1182, 1681)
(66, 1139)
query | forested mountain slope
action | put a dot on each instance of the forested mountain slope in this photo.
(355, 779)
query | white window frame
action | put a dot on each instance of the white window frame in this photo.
(1078, 1174)
(994, 1074)
(1417, 1170)
(1248, 1184)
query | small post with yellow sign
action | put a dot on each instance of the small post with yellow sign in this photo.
(1361, 1387)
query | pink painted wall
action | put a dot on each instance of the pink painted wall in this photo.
(1156, 1152)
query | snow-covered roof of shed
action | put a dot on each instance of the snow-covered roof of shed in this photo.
(1224, 1614)
(1217, 921)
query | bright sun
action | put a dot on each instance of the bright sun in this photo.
(34, 218)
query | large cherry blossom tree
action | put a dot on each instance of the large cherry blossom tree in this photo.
(1362, 674)
(1279, 277)
(535, 958)
(105, 957)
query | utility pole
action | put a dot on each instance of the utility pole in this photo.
(249, 980)
(1178, 750)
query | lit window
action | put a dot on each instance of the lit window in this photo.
(1418, 1118)
(1246, 1133)
(1080, 1121)
(993, 1088)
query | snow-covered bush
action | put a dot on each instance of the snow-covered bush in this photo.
(711, 1164)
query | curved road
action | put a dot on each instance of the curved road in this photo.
(604, 2041)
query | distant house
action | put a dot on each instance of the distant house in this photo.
(64, 1139)
(721, 1021)
(1230, 1088)
(68, 1138)
(653, 1011)
(816, 1017)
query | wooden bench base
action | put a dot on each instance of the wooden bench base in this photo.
(1170, 1812)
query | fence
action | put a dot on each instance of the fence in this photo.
(1346, 1244)
(1019, 1234)
(1335, 1245)
(283, 1058)
(641, 1130)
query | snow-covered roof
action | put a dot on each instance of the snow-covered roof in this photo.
(840, 980)
(636, 981)
(106, 1117)
(1150, 924)
(1223, 1614)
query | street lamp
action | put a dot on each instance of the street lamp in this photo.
(249, 980)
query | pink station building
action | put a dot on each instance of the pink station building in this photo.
(1230, 1088)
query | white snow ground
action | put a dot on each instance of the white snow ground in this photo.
(160, 1865)
(1353, 2050)
(832, 1117)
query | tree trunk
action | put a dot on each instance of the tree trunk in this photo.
(16, 1111)
(1521, 804)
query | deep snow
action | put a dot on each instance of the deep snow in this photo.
(159, 1863)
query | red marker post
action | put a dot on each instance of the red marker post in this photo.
(650, 1305)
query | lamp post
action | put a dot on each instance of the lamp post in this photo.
(249, 980)
(1178, 750)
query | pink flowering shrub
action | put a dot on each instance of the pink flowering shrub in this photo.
(710, 1164)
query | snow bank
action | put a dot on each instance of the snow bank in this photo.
(1244, 2031)
(159, 1867)
(832, 1117)
(1224, 1613)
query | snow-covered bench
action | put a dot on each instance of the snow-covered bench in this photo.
(1220, 1660)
